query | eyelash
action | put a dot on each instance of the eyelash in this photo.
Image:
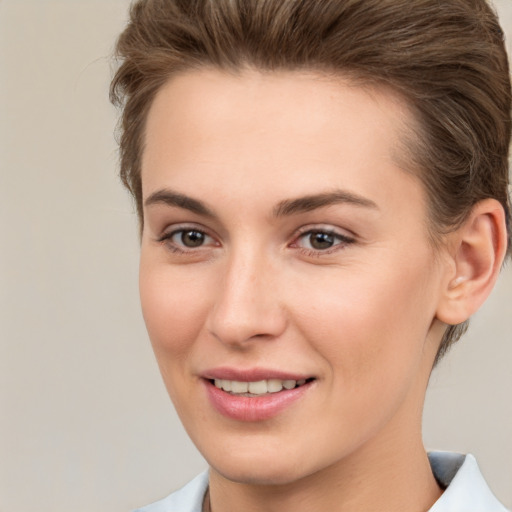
(343, 240)
(166, 239)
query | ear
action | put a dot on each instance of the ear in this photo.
(476, 253)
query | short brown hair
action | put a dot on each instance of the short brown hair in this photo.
(446, 59)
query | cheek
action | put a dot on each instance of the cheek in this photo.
(173, 311)
(369, 323)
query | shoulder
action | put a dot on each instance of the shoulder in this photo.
(465, 487)
(187, 499)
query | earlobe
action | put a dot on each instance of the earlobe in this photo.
(477, 251)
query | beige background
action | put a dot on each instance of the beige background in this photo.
(85, 424)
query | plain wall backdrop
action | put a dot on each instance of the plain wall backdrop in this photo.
(85, 422)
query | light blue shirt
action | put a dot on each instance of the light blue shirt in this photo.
(466, 489)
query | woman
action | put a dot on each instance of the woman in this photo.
(322, 195)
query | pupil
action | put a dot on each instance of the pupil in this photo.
(192, 238)
(321, 240)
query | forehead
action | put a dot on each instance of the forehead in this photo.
(256, 130)
(269, 100)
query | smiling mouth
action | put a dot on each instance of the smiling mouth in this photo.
(257, 388)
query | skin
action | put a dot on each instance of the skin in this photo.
(361, 317)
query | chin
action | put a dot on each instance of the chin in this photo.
(259, 474)
(270, 466)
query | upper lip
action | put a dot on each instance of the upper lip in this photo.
(251, 374)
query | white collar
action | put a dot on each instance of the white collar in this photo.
(465, 487)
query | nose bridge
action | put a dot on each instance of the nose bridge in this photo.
(246, 303)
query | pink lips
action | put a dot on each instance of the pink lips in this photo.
(257, 408)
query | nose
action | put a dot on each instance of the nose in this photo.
(247, 305)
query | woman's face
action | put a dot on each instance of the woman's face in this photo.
(283, 247)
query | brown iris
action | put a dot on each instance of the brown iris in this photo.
(192, 238)
(320, 240)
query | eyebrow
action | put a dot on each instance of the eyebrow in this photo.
(171, 198)
(284, 208)
(312, 202)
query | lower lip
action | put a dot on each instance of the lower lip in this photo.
(258, 408)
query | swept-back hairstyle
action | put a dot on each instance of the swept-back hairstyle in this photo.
(446, 59)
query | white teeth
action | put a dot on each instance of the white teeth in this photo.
(289, 384)
(261, 387)
(274, 385)
(239, 387)
(258, 388)
(226, 385)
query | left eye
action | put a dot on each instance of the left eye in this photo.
(319, 240)
(189, 238)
